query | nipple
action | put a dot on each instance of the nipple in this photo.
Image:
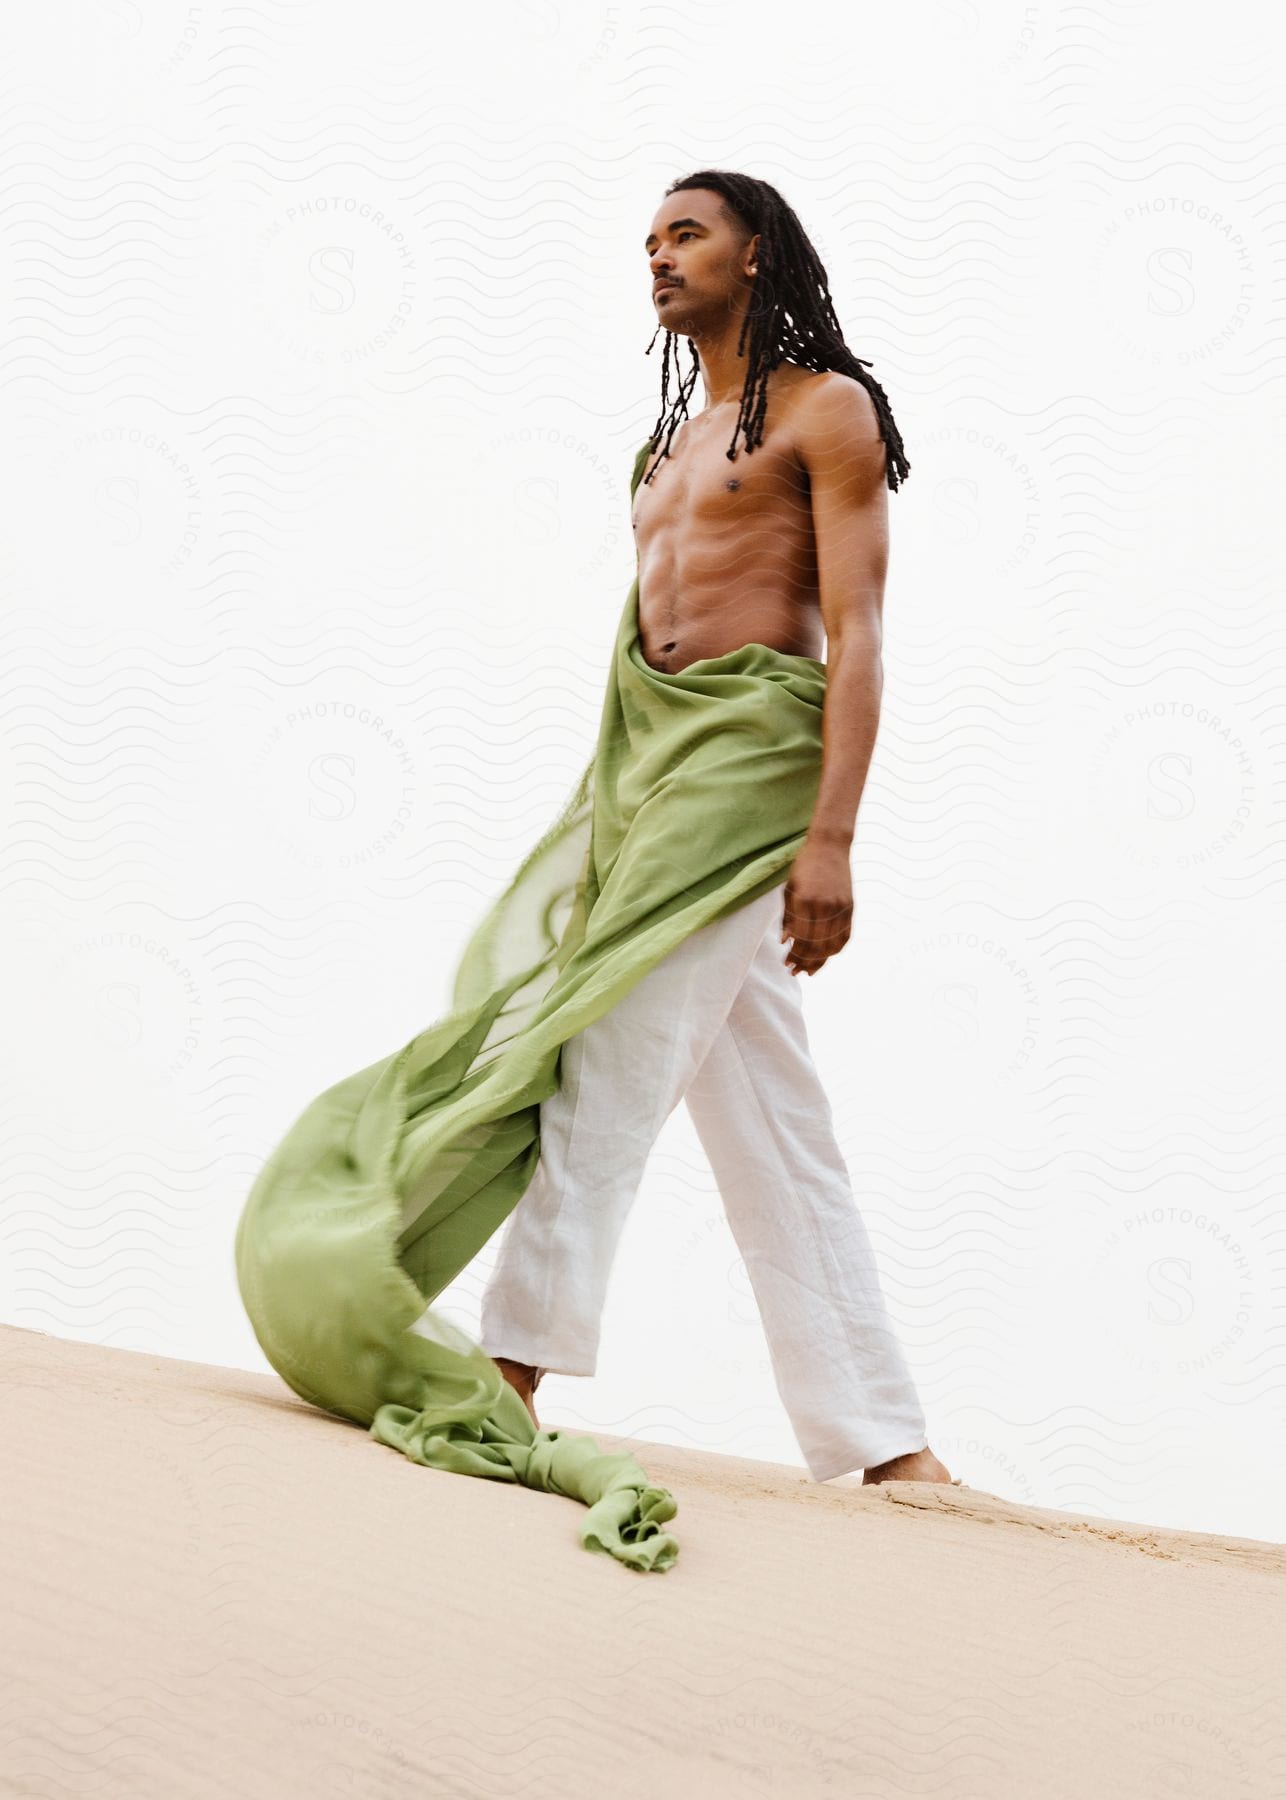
(732, 486)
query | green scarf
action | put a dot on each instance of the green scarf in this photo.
(696, 801)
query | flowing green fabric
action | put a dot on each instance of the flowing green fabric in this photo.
(696, 801)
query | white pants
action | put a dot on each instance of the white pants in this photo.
(719, 1023)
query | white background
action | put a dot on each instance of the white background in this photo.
(323, 373)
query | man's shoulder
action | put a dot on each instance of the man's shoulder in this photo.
(826, 401)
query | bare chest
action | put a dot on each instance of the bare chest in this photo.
(726, 554)
(697, 491)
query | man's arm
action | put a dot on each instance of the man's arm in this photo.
(838, 440)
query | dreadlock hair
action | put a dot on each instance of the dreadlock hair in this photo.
(790, 314)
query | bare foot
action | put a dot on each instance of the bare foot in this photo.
(524, 1379)
(917, 1465)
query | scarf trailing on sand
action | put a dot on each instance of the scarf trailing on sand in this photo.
(696, 801)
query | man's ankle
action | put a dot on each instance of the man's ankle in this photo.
(528, 1371)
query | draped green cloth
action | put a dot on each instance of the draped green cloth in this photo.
(696, 801)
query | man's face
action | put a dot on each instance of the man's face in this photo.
(695, 260)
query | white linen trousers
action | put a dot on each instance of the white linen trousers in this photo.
(718, 1023)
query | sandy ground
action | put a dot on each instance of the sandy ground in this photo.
(214, 1589)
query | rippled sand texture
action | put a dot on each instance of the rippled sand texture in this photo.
(214, 1588)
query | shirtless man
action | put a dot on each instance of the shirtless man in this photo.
(785, 545)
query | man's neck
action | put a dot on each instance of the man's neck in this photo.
(723, 372)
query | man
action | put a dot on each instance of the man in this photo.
(774, 545)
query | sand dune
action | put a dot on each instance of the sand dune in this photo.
(214, 1589)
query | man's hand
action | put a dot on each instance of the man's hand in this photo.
(819, 906)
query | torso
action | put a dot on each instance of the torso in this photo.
(726, 551)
